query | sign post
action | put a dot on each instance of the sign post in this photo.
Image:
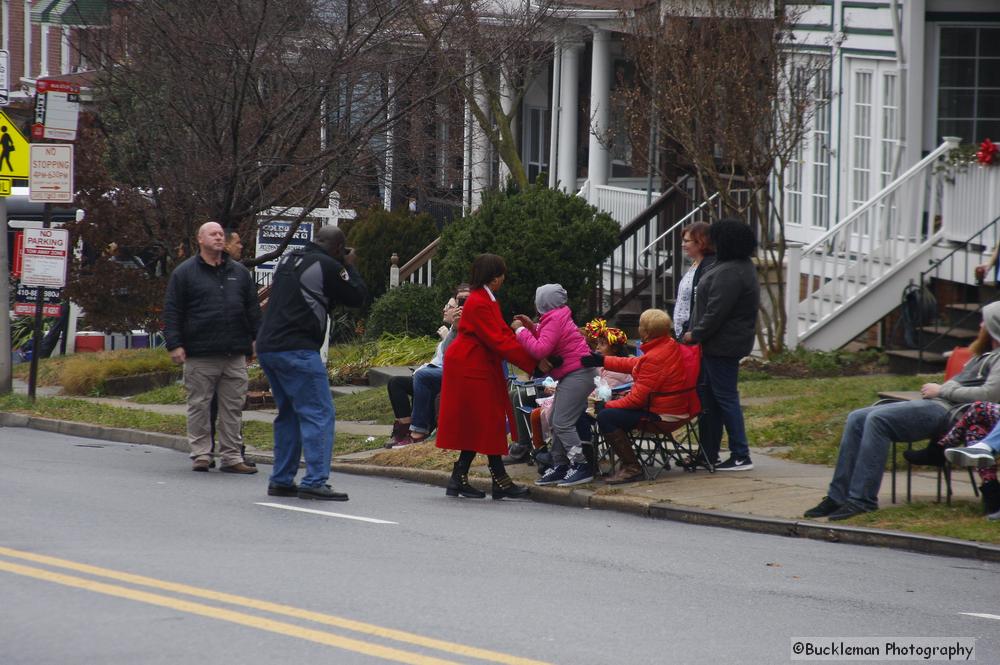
(43, 263)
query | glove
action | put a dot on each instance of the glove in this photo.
(555, 361)
(593, 360)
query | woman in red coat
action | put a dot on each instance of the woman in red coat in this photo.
(475, 407)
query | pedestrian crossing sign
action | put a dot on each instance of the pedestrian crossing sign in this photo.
(13, 150)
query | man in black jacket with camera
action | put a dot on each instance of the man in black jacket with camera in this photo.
(212, 316)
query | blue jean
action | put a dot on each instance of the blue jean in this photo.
(611, 420)
(426, 386)
(865, 445)
(720, 407)
(305, 422)
(993, 439)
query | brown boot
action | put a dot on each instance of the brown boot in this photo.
(629, 470)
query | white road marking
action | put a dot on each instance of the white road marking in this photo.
(282, 506)
(981, 616)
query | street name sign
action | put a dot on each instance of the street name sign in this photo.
(50, 178)
(44, 256)
(57, 107)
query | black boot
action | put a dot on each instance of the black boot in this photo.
(991, 496)
(932, 455)
(503, 486)
(459, 485)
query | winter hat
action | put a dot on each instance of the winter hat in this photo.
(991, 319)
(549, 297)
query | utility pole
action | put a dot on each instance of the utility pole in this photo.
(6, 381)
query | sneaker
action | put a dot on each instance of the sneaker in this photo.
(993, 517)
(824, 508)
(282, 490)
(972, 456)
(321, 493)
(578, 475)
(847, 511)
(402, 443)
(735, 464)
(554, 475)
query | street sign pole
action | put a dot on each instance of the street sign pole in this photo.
(6, 381)
(36, 338)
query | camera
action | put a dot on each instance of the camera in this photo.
(461, 300)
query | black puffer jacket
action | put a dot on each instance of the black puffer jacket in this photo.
(724, 315)
(211, 310)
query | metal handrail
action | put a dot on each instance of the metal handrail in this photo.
(683, 220)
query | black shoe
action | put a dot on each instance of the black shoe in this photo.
(460, 487)
(932, 455)
(321, 493)
(504, 488)
(282, 490)
(735, 464)
(847, 511)
(519, 454)
(825, 507)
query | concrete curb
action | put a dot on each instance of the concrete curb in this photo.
(580, 498)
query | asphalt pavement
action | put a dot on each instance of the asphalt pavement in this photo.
(117, 553)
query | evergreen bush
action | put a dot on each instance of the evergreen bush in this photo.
(378, 234)
(409, 309)
(544, 236)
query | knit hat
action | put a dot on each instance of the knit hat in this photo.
(598, 329)
(991, 319)
(549, 297)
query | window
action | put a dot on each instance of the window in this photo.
(536, 141)
(861, 138)
(821, 150)
(969, 83)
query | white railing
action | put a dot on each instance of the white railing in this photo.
(870, 244)
(971, 201)
(621, 203)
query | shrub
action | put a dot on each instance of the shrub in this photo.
(85, 373)
(408, 309)
(379, 234)
(544, 236)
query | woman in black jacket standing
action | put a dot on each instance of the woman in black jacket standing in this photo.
(724, 322)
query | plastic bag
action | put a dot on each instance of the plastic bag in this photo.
(603, 389)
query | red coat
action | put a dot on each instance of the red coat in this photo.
(660, 368)
(475, 406)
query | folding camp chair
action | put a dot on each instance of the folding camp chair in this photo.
(956, 361)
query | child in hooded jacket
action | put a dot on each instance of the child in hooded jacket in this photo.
(557, 335)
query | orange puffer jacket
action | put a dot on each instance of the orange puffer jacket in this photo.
(660, 369)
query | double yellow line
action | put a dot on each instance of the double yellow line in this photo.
(250, 620)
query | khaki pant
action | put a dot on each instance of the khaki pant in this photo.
(204, 376)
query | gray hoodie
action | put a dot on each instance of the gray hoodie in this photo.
(549, 297)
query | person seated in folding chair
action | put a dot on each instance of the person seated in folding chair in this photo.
(870, 432)
(982, 455)
(659, 370)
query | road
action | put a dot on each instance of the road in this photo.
(119, 554)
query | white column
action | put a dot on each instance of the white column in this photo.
(598, 157)
(554, 128)
(470, 122)
(5, 20)
(913, 104)
(27, 40)
(480, 149)
(568, 109)
(389, 145)
(43, 65)
(506, 104)
(64, 52)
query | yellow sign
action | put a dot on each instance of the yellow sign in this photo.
(13, 150)
(5, 186)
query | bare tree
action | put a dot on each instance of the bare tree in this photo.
(733, 105)
(494, 50)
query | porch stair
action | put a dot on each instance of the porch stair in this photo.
(852, 276)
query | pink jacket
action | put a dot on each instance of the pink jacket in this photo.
(556, 334)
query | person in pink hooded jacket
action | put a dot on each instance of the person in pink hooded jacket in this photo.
(557, 335)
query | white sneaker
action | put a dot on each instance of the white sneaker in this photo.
(975, 456)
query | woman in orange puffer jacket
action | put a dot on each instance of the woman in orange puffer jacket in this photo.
(661, 369)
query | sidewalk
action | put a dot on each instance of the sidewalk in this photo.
(771, 497)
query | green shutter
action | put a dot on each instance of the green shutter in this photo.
(80, 13)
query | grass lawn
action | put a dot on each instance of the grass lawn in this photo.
(255, 434)
(962, 519)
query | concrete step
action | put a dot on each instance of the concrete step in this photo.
(909, 361)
